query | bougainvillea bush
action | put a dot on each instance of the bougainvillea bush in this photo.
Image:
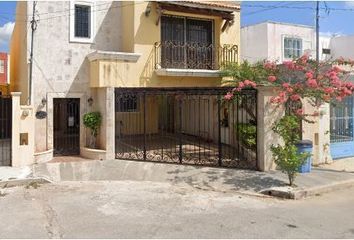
(298, 79)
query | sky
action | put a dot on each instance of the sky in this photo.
(333, 22)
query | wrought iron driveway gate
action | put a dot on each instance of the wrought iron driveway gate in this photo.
(5, 130)
(186, 125)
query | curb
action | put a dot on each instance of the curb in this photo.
(297, 194)
(23, 182)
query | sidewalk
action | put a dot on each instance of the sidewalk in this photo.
(12, 173)
(345, 165)
(205, 178)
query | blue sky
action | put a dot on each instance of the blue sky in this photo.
(336, 22)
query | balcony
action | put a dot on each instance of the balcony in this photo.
(192, 59)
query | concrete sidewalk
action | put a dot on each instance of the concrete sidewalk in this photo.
(12, 173)
(344, 165)
(206, 178)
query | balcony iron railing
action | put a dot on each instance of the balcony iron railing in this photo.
(193, 55)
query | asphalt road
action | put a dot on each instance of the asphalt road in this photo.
(157, 210)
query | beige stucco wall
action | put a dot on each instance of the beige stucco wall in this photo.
(18, 51)
(22, 123)
(140, 33)
(318, 132)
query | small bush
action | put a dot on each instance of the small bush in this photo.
(287, 157)
(93, 120)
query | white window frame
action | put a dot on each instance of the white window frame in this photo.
(283, 45)
(2, 63)
(72, 37)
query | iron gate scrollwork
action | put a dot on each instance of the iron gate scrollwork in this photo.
(5, 130)
(186, 125)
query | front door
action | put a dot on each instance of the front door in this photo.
(341, 128)
(66, 126)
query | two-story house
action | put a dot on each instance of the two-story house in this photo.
(152, 69)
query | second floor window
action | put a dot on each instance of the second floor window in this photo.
(2, 66)
(82, 21)
(292, 48)
(186, 43)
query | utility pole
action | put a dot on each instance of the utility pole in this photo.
(317, 33)
(33, 29)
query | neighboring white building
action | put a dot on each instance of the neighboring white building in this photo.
(342, 46)
(276, 41)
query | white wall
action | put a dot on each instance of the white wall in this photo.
(254, 43)
(342, 46)
(324, 42)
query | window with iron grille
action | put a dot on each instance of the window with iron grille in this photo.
(186, 42)
(82, 21)
(292, 47)
(127, 103)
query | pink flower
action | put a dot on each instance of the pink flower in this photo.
(299, 112)
(228, 96)
(336, 69)
(328, 90)
(300, 68)
(295, 97)
(253, 84)
(312, 83)
(289, 64)
(290, 90)
(272, 78)
(241, 85)
(309, 75)
(282, 94)
(274, 99)
(247, 82)
(269, 65)
(336, 82)
(346, 91)
(286, 85)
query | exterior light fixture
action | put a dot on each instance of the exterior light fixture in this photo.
(44, 101)
(90, 101)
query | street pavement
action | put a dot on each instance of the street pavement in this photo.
(128, 209)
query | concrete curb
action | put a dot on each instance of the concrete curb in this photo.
(301, 193)
(23, 182)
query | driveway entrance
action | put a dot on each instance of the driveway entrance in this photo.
(187, 126)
